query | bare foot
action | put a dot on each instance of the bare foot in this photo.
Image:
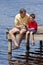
(15, 44)
(15, 47)
(33, 44)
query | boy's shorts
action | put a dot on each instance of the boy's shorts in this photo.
(34, 31)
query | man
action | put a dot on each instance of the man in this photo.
(20, 21)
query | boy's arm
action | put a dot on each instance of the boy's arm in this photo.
(36, 25)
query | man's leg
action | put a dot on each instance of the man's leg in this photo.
(21, 36)
(27, 36)
(11, 32)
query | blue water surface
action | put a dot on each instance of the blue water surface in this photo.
(8, 10)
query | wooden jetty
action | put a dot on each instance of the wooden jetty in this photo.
(37, 36)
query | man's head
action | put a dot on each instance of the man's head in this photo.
(22, 12)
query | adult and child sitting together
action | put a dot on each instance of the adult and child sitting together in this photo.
(23, 23)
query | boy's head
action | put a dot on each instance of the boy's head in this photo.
(32, 16)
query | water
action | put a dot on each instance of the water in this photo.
(8, 10)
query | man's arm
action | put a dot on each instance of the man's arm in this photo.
(16, 23)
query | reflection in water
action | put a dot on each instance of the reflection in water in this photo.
(10, 58)
(31, 58)
(22, 61)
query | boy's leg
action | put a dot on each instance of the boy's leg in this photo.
(32, 37)
(11, 32)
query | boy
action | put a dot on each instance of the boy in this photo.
(32, 27)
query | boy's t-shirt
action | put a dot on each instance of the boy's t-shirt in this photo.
(32, 25)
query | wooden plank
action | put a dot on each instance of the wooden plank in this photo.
(38, 36)
(40, 29)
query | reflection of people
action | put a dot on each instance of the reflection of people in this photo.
(32, 27)
(21, 19)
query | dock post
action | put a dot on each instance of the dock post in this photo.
(40, 47)
(9, 46)
(9, 42)
(27, 50)
(10, 59)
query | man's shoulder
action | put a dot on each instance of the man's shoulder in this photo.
(18, 15)
(27, 15)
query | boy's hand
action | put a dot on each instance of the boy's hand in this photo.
(31, 28)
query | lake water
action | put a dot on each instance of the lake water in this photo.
(8, 10)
